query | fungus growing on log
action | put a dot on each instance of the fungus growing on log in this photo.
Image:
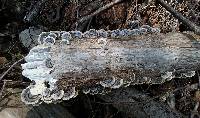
(97, 61)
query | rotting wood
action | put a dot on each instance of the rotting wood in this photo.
(96, 64)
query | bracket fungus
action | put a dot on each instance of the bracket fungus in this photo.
(94, 62)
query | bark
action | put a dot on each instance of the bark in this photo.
(152, 58)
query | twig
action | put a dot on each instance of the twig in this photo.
(77, 14)
(88, 26)
(195, 111)
(180, 17)
(99, 11)
(34, 11)
(13, 84)
(50, 17)
(198, 79)
(2, 89)
(2, 76)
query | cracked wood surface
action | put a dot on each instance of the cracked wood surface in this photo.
(152, 58)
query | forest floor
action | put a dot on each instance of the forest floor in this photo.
(65, 15)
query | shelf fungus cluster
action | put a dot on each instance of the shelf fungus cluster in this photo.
(97, 61)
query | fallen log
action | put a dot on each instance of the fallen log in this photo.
(97, 61)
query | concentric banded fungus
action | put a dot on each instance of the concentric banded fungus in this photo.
(167, 76)
(66, 37)
(76, 34)
(108, 82)
(134, 32)
(69, 93)
(94, 90)
(92, 33)
(149, 29)
(188, 74)
(102, 33)
(97, 89)
(118, 83)
(115, 33)
(28, 98)
(125, 33)
(155, 30)
(49, 40)
(105, 60)
(86, 90)
(42, 36)
(57, 94)
(46, 96)
(143, 30)
(129, 78)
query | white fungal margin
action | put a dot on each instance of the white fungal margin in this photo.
(38, 69)
(108, 82)
(28, 98)
(118, 83)
(167, 76)
(188, 74)
(69, 93)
(38, 88)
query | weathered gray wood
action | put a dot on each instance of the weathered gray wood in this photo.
(149, 57)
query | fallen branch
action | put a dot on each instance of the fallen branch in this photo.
(112, 62)
(34, 11)
(13, 84)
(180, 17)
(51, 18)
(93, 6)
(2, 89)
(2, 76)
(99, 11)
